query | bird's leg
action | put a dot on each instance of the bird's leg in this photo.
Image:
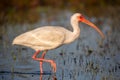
(35, 54)
(41, 62)
(34, 57)
(53, 64)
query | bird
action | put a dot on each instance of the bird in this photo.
(43, 39)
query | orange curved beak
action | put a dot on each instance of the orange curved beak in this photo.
(82, 19)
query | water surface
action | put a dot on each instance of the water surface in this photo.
(87, 58)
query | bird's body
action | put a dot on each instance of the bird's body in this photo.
(45, 38)
(50, 37)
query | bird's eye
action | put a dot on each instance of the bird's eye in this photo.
(80, 18)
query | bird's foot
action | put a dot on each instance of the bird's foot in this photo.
(53, 65)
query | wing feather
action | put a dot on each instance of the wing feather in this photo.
(41, 38)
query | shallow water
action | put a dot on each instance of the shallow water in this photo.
(87, 58)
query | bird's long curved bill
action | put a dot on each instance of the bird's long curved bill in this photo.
(93, 26)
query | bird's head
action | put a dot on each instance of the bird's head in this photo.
(77, 17)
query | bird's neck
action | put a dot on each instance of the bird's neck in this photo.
(73, 35)
(76, 29)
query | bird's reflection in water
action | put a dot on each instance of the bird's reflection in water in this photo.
(53, 77)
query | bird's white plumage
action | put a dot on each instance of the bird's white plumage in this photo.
(49, 37)
(42, 38)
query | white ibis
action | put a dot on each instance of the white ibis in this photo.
(50, 37)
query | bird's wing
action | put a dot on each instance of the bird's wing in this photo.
(48, 38)
(41, 38)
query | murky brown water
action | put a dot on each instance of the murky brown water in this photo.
(88, 58)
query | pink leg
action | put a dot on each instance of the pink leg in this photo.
(41, 62)
(53, 64)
